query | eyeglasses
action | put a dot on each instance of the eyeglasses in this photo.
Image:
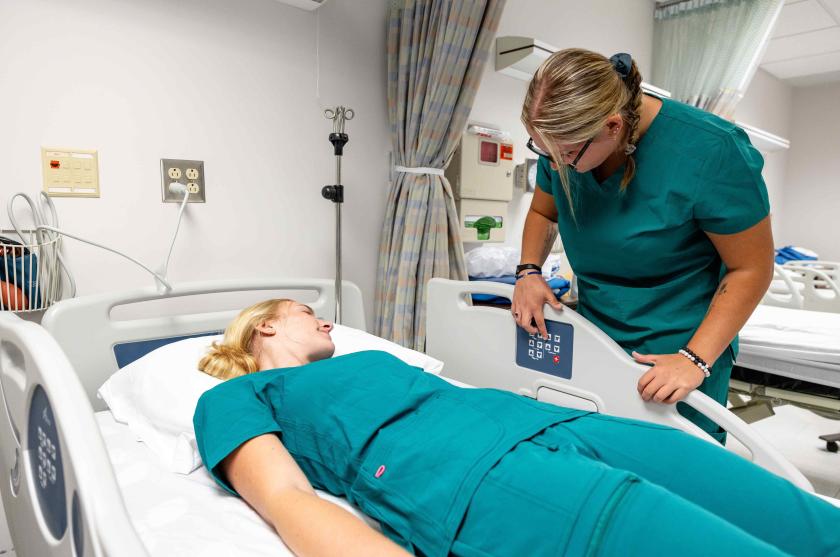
(534, 149)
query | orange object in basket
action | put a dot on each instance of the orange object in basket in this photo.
(12, 297)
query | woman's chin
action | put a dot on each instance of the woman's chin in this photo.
(324, 351)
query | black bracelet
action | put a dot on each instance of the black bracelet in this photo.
(525, 266)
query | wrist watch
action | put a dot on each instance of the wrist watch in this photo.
(526, 266)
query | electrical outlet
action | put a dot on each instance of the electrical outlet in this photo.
(187, 172)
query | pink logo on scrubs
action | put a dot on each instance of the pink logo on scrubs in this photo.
(379, 471)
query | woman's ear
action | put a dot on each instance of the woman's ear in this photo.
(614, 125)
(266, 328)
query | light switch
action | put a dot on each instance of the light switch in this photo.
(70, 172)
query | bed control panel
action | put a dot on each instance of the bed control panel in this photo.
(552, 355)
(45, 465)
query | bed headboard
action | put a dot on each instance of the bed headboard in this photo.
(97, 341)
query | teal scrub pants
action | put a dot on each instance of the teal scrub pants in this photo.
(600, 485)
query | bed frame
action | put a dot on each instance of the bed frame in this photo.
(48, 377)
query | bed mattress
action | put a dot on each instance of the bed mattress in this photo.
(186, 515)
(813, 333)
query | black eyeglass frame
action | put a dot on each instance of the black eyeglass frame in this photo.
(534, 149)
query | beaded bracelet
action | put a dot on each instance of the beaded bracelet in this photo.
(696, 360)
(523, 275)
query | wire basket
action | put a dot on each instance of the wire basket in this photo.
(30, 277)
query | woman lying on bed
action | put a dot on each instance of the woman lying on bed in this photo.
(471, 472)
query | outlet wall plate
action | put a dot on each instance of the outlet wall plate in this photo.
(187, 172)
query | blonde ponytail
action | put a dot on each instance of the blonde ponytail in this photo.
(631, 112)
(234, 356)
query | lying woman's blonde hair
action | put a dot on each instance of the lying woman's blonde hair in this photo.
(570, 98)
(234, 356)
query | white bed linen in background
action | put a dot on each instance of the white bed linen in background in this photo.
(793, 329)
(184, 516)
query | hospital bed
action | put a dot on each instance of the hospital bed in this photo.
(797, 350)
(79, 484)
(809, 285)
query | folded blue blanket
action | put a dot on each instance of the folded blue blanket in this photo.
(557, 284)
(789, 253)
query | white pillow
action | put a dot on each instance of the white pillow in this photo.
(156, 395)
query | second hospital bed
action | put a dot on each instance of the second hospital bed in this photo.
(789, 356)
(106, 493)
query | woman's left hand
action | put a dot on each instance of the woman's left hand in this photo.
(670, 379)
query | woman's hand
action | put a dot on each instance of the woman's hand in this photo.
(530, 294)
(670, 379)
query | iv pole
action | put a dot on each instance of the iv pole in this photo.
(335, 193)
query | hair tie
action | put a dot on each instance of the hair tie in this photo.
(622, 63)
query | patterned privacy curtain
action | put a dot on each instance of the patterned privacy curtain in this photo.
(706, 51)
(437, 51)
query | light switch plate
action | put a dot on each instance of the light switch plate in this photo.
(70, 172)
(186, 172)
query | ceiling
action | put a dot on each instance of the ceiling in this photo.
(805, 45)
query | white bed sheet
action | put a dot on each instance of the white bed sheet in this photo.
(793, 329)
(177, 515)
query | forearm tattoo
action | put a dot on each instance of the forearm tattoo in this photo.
(550, 236)
(722, 289)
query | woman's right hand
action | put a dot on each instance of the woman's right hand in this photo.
(530, 294)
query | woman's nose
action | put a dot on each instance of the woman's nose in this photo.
(326, 326)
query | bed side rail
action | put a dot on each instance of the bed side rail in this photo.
(87, 332)
(59, 491)
(820, 288)
(789, 297)
(478, 345)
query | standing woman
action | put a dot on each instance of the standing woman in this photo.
(664, 217)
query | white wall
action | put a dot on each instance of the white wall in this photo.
(229, 82)
(767, 104)
(812, 192)
(605, 26)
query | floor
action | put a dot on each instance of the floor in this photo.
(795, 433)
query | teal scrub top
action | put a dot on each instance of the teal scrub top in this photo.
(385, 435)
(646, 270)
